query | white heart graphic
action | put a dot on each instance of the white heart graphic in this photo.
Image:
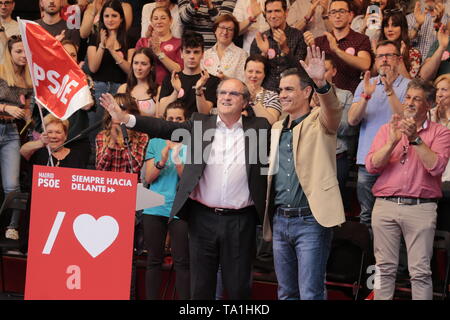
(95, 235)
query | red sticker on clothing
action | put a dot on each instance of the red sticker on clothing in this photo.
(445, 55)
(168, 47)
(208, 62)
(271, 53)
(180, 93)
(350, 50)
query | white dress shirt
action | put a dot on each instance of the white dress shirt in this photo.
(224, 183)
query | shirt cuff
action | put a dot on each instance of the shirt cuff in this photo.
(131, 121)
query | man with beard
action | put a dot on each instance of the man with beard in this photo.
(52, 22)
(349, 49)
(410, 153)
(373, 104)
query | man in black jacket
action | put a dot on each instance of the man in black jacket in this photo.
(222, 189)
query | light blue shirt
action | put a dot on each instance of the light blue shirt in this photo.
(378, 112)
(167, 181)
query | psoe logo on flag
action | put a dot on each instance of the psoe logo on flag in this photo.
(59, 83)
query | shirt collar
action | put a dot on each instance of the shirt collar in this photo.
(222, 125)
(294, 122)
(396, 83)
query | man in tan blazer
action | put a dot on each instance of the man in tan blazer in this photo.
(303, 198)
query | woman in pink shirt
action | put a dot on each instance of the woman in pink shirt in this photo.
(166, 47)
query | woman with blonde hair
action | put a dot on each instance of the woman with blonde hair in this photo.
(55, 135)
(15, 91)
(441, 113)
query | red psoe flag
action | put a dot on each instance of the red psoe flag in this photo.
(59, 83)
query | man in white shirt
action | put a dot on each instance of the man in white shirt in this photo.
(221, 192)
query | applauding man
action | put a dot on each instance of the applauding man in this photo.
(282, 45)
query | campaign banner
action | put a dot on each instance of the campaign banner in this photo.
(81, 234)
(59, 83)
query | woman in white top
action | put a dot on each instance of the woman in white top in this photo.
(176, 27)
(141, 82)
(225, 59)
(263, 103)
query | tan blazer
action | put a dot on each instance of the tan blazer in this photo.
(314, 145)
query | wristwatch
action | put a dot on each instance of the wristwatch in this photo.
(161, 55)
(158, 166)
(417, 141)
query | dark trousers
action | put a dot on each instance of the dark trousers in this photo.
(342, 169)
(227, 239)
(155, 231)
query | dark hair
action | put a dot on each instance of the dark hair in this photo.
(426, 86)
(329, 57)
(388, 42)
(398, 20)
(228, 18)
(166, 10)
(177, 104)
(192, 40)
(283, 4)
(258, 58)
(121, 31)
(132, 81)
(70, 43)
(304, 79)
(348, 2)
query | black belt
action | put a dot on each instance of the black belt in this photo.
(409, 201)
(224, 211)
(294, 212)
(5, 120)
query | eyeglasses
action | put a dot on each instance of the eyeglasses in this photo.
(226, 29)
(234, 94)
(404, 154)
(340, 11)
(6, 3)
(387, 55)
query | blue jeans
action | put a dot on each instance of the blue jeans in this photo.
(365, 196)
(300, 250)
(10, 164)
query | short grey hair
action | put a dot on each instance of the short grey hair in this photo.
(245, 92)
(426, 86)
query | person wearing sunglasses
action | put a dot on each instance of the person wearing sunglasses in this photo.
(8, 26)
(409, 154)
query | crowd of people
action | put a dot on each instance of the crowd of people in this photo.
(322, 87)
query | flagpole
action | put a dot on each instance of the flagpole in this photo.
(45, 131)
